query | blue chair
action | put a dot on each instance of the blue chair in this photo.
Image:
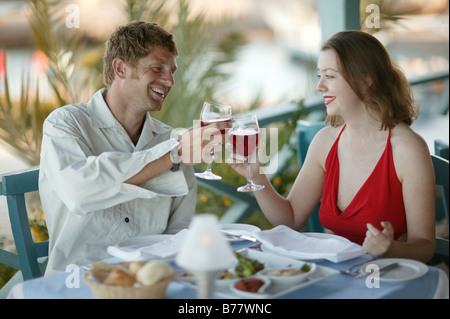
(441, 149)
(442, 180)
(306, 131)
(14, 186)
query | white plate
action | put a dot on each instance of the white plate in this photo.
(308, 256)
(184, 277)
(407, 270)
(273, 290)
(289, 280)
(239, 229)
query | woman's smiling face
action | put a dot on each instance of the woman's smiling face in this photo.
(339, 96)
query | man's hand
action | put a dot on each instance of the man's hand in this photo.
(197, 143)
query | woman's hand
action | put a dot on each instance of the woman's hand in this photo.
(238, 162)
(378, 243)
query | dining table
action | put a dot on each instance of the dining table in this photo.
(433, 283)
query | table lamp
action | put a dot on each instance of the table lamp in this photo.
(205, 253)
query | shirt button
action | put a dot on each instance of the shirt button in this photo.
(127, 219)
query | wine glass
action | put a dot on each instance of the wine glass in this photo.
(213, 112)
(244, 135)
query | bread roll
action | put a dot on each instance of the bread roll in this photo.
(135, 266)
(119, 277)
(154, 271)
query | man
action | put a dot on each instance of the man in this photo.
(108, 171)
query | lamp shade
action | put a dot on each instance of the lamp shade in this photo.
(205, 248)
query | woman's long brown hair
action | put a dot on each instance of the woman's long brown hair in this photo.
(362, 60)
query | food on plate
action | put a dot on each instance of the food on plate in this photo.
(249, 284)
(227, 275)
(247, 266)
(154, 271)
(289, 271)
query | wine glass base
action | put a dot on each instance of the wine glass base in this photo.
(208, 175)
(250, 188)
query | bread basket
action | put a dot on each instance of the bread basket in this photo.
(102, 291)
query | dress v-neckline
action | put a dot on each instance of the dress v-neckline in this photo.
(366, 181)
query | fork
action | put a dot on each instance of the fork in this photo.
(353, 272)
(379, 272)
(236, 236)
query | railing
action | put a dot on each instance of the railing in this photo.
(313, 109)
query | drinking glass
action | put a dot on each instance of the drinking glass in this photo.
(213, 112)
(244, 135)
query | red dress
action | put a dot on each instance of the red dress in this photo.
(379, 199)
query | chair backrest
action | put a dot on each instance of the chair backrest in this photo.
(442, 180)
(305, 133)
(14, 186)
(441, 149)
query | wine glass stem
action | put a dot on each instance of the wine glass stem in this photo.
(249, 175)
(208, 168)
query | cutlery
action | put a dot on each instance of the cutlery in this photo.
(354, 270)
(231, 235)
(382, 270)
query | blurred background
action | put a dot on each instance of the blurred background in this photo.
(252, 54)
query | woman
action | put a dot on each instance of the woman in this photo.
(372, 171)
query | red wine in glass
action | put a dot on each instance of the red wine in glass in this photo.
(244, 135)
(211, 121)
(213, 112)
(244, 141)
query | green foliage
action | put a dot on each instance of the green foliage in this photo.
(75, 72)
(75, 67)
(204, 48)
(6, 272)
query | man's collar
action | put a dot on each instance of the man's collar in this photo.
(102, 117)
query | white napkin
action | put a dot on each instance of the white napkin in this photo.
(164, 249)
(289, 242)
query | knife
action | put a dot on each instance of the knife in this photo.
(250, 238)
(382, 270)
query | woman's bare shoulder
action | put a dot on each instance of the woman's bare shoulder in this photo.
(406, 141)
(328, 135)
(410, 150)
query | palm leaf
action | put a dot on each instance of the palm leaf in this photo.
(204, 48)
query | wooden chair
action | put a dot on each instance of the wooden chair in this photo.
(442, 180)
(14, 186)
(306, 131)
